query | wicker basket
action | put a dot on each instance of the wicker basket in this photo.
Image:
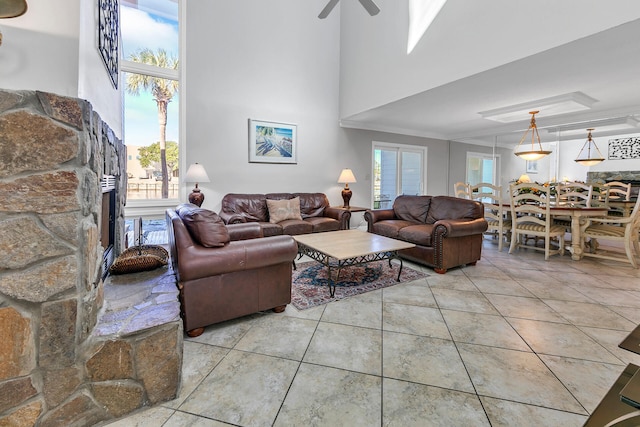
(139, 258)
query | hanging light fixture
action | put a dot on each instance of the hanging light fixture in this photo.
(591, 158)
(532, 154)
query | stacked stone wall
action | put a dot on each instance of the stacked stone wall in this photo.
(53, 152)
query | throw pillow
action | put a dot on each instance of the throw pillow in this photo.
(279, 210)
(205, 226)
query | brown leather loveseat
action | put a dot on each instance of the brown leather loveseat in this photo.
(284, 213)
(226, 272)
(447, 231)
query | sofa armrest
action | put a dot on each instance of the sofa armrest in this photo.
(196, 262)
(245, 231)
(460, 227)
(230, 218)
(341, 215)
(374, 215)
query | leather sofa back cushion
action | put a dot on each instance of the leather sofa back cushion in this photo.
(445, 207)
(312, 204)
(251, 206)
(205, 227)
(412, 208)
(279, 210)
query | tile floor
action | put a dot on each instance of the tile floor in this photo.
(512, 341)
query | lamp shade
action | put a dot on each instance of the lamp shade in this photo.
(524, 178)
(196, 173)
(346, 177)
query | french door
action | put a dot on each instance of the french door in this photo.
(397, 169)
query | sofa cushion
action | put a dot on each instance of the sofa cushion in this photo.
(205, 227)
(445, 207)
(418, 234)
(279, 210)
(294, 227)
(269, 229)
(252, 207)
(391, 227)
(312, 204)
(412, 208)
(321, 224)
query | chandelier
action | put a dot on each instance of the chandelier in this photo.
(532, 154)
(591, 157)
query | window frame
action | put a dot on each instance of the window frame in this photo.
(155, 208)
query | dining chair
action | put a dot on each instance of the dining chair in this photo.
(618, 192)
(531, 216)
(575, 194)
(600, 195)
(625, 230)
(462, 190)
(494, 211)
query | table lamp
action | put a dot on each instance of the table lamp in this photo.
(346, 177)
(196, 173)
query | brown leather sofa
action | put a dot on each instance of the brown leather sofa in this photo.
(225, 272)
(316, 215)
(447, 231)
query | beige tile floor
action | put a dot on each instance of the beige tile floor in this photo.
(512, 341)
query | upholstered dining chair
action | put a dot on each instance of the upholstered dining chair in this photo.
(531, 216)
(625, 230)
(618, 192)
(462, 190)
(600, 196)
(494, 211)
(575, 194)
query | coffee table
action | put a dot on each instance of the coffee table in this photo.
(346, 248)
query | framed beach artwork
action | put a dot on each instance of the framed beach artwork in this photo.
(532, 166)
(271, 142)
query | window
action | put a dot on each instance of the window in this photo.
(150, 80)
(482, 167)
(397, 169)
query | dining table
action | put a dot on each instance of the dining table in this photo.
(579, 215)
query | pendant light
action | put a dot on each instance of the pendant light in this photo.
(591, 157)
(532, 154)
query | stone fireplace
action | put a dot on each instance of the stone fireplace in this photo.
(628, 177)
(54, 370)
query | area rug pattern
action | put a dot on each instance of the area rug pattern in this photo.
(310, 283)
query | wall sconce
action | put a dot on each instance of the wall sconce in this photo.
(532, 154)
(196, 173)
(591, 158)
(346, 177)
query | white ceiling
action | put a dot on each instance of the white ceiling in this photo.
(604, 66)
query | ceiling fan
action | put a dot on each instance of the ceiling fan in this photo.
(371, 7)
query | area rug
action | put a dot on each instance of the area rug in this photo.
(310, 288)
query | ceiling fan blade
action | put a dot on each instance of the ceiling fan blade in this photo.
(328, 8)
(371, 7)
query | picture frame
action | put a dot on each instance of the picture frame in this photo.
(272, 142)
(532, 166)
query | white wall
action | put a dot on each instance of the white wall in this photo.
(52, 48)
(569, 150)
(272, 61)
(377, 70)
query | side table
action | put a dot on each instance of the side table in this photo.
(352, 209)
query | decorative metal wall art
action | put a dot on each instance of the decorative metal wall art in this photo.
(108, 26)
(624, 148)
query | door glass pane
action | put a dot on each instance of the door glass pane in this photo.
(385, 178)
(411, 176)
